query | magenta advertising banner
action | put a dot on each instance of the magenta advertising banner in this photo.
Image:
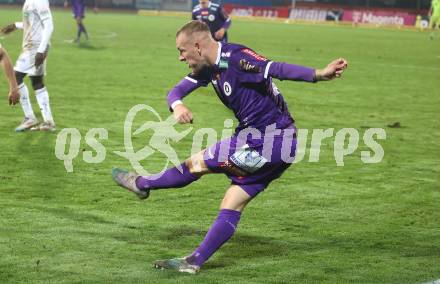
(379, 17)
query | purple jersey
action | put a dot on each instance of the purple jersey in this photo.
(214, 16)
(242, 80)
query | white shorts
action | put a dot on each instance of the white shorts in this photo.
(26, 64)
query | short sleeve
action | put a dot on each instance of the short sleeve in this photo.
(43, 10)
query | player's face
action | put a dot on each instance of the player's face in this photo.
(204, 3)
(189, 52)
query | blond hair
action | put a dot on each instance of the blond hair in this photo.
(193, 27)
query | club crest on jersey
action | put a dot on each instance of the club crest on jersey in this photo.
(248, 67)
(254, 55)
(227, 89)
(211, 18)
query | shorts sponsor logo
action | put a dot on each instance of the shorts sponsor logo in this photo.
(248, 160)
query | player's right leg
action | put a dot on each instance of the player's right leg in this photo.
(223, 228)
(42, 96)
(29, 119)
(189, 171)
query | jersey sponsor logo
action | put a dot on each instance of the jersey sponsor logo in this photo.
(226, 54)
(205, 13)
(248, 67)
(227, 89)
(211, 18)
(223, 64)
(254, 55)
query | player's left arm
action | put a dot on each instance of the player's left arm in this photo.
(255, 68)
(333, 70)
(226, 24)
(47, 23)
(6, 64)
(286, 71)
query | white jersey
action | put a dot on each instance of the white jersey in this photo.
(35, 12)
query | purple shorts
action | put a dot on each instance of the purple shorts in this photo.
(250, 163)
(78, 11)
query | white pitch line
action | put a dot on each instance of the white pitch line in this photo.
(108, 35)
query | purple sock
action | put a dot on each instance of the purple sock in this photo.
(219, 233)
(171, 178)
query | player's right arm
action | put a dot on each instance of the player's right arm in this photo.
(6, 64)
(181, 112)
(11, 27)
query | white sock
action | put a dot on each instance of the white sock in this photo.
(25, 101)
(43, 101)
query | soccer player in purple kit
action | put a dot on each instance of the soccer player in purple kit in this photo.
(78, 9)
(263, 146)
(215, 17)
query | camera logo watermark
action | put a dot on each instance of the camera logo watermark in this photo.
(345, 143)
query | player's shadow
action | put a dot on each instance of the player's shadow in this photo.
(241, 246)
(90, 47)
(74, 215)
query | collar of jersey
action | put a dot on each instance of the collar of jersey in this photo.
(219, 52)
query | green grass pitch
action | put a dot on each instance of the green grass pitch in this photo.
(319, 223)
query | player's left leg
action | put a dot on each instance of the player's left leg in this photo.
(81, 28)
(43, 101)
(223, 228)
